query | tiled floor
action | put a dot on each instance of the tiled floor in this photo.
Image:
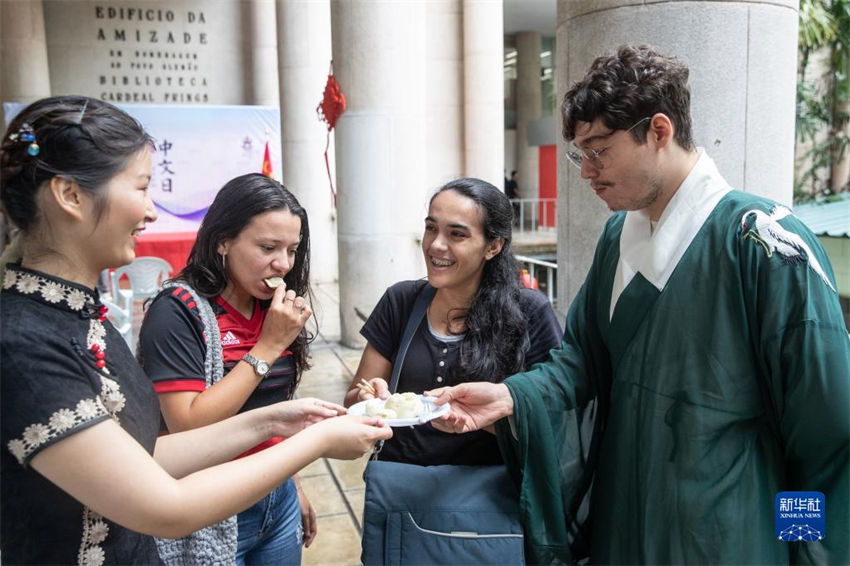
(335, 487)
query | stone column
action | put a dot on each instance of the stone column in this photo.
(528, 107)
(304, 55)
(743, 89)
(262, 72)
(444, 94)
(484, 90)
(379, 51)
(24, 74)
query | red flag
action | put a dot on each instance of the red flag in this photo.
(267, 163)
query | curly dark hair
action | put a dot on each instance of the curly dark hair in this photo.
(631, 84)
(85, 139)
(236, 204)
(496, 339)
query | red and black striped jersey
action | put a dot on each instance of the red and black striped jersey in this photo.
(173, 347)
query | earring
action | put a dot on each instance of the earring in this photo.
(224, 262)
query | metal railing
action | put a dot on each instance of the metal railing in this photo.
(535, 213)
(548, 269)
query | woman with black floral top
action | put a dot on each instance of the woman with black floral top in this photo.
(83, 476)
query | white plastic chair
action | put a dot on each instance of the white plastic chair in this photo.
(121, 319)
(145, 275)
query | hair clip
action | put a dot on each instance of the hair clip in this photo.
(26, 135)
(82, 112)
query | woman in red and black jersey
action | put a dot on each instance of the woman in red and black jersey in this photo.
(240, 304)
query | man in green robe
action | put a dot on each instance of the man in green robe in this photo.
(704, 367)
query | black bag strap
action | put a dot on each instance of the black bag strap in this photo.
(423, 299)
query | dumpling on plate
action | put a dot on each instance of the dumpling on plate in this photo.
(406, 405)
(386, 414)
(373, 407)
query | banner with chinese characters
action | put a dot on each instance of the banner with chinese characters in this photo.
(199, 149)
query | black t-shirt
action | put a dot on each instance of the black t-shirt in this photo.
(427, 365)
(51, 388)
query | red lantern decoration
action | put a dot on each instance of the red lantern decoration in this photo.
(329, 110)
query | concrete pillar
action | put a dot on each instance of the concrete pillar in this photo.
(261, 81)
(304, 54)
(379, 51)
(444, 67)
(528, 107)
(484, 90)
(743, 87)
(24, 74)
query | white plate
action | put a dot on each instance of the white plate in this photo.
(430, 411)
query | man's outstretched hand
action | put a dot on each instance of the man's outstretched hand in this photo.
(474, 406)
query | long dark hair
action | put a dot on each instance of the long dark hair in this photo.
(496, 337)
(239, 201)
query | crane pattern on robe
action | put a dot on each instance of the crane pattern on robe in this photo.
(765, 229)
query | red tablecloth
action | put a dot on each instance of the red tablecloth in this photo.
(173, 247)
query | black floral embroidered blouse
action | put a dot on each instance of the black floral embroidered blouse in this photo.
(64, 368)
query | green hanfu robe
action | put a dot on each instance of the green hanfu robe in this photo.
(718, 379)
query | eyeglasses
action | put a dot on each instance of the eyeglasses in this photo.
(593, 155)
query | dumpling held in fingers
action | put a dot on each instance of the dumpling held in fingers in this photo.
(273, 282)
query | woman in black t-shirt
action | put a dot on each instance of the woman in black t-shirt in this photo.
(480, 325)
(84, 478)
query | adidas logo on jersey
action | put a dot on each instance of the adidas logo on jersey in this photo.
(229, 339)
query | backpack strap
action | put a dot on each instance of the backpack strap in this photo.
(423, 299)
